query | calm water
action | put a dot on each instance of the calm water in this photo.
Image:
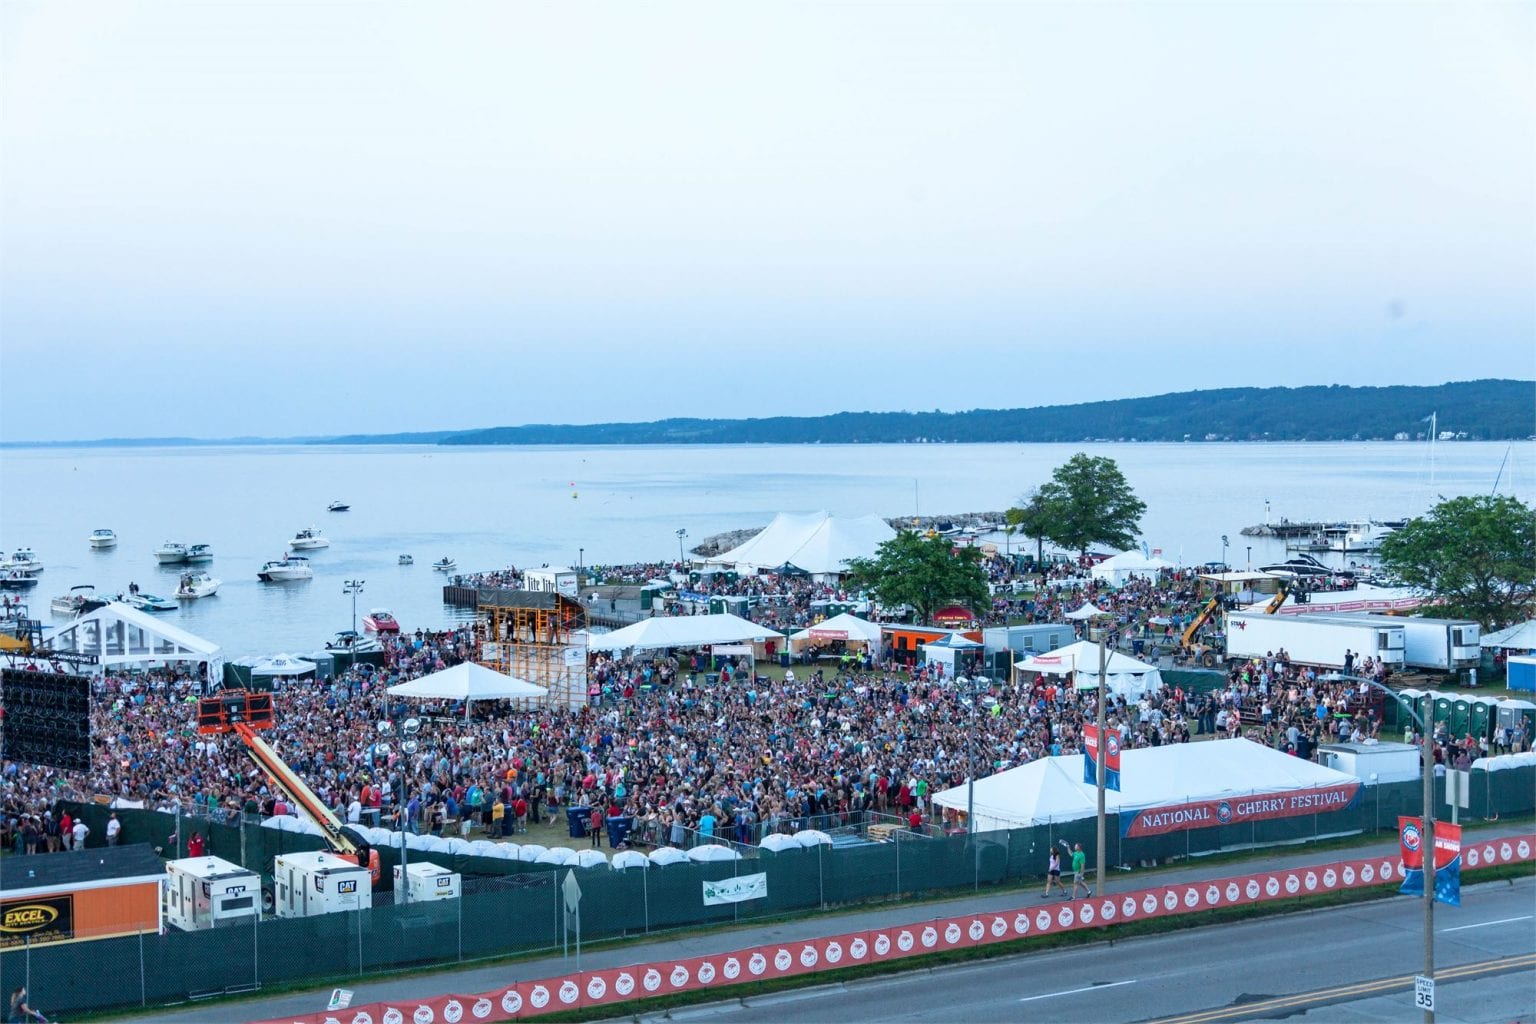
(490, 507)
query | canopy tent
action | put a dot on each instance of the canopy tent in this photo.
(1052, 789)
(1123, 675)
(947, 649)
(282, 665)
(1520, 637)
(1120, 569)
(123, 636)
(817, 542)
(846, 627)
(682, 631)
(468, 682)
(1089, 610)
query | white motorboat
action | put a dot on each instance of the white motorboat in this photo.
(198, 553)
(171, 553)
(195, 585)
(80, 599)
(407, 560)
(150, 603)
(308, 540)
(23, 561)
(103, 539)
(347, 640)
(289, 567)
(338, 506)
(445, 564)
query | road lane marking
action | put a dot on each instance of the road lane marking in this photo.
(1356, 989)
(1485, 924)
(1075, 991)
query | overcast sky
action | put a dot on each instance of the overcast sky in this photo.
(225, 219)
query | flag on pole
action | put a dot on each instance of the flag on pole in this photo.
(1447, 859)
(1111, 757)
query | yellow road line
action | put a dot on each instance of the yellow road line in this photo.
(1356, 989)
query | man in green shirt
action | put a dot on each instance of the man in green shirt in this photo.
(1079, 863)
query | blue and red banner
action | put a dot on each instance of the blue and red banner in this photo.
(1410, 837)
(1236, 810)
(1111, 757)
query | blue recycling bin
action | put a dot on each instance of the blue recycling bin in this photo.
(576, 819)
(618, 830)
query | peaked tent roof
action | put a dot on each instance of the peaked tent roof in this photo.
(817, 542)
(681, 631)
(1052, 788)
(122, 635)
(1124, 675)
(1521, 636)
(468, 681)
(855, 627)
(1088, 610)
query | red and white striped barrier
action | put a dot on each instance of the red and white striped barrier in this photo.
(522, 1000)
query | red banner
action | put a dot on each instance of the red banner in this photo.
(1235, 810)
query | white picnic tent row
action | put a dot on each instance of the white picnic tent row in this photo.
(682, 631)
(1051, 789)
(120, 635)
(1124, 676)
(817, 542)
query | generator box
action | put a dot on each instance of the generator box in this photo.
(423, 882)
(309, 884)
(209, 892)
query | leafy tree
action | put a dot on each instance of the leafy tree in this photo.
(1087, 502)
(1033, 518)
(1475, 556)
(923, 572)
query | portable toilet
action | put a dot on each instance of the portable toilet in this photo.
(1522, 672)
(1461, 715)
(1516, 714)
(424, 882)
(1445, 706)
(208, 892)
(309, 884)
(1484, 713)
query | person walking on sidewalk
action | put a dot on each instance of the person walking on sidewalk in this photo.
(1079, 864)
(1052, 874)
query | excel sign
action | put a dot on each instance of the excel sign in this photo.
(44, 919)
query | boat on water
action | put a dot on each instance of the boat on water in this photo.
(1302, 567)
(103, 539)
(150, 602)
(23, 561)
(348, 640)
(195, 585)
(338, 506)
(282, 570)
(308, 540)
(445, 564)
(171, 553)
(407, 560)
(197, 553)
(380, 620)
(79, 600)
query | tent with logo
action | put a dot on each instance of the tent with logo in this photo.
(122, 637)
(818, 543)
(1124, 676)
(855, 632)
(1052, 789)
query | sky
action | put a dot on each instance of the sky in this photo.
(283, 218)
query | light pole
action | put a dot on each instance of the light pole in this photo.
(353, 587)
(1223, 550)
(1427, 842)
(1250, 557)
(682, 562)
(581, 554)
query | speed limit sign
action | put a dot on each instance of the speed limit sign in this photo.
(1424, 993)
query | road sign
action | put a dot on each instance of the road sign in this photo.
(341, 998)
(1424, 993)
(572, 892)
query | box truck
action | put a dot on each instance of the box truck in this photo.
(208, 892)
(1315, 639)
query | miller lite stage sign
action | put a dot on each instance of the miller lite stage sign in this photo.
(1155, 821)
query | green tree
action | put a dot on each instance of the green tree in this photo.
(1474, 556)
(1033, 517)
(923, 572)
(1089, 502)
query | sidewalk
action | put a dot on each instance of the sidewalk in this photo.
(468, 979)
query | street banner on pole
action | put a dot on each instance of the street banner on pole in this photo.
(1111, 757)
(1447, 859)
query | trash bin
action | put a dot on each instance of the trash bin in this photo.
(711, 678)
(618, 830)
(576, 819)
(784, 659)
(1136, 645)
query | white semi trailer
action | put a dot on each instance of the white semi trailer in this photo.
(1318, 640)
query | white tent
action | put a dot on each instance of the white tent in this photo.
(281, 665)
(119, 635)
(1521, 637)
(681, 631)
(1123, 675)
(818, 542)
(1119, 569)
(1089, 610)
(1052, 789)
(468, 681)
(846, 627)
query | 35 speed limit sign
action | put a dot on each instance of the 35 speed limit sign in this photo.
(1424, 993)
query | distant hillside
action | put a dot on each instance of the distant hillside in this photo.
(1474, 410)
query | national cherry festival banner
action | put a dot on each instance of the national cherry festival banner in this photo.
(1154, 821)
(521, 1000)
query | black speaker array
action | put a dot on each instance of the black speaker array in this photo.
(47, 718)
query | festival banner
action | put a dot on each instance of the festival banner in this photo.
(1447, 859)
(1154, 821)
(1111, 757)
(736, 890)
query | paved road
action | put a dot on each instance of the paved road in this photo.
(481, 979)
(1354, 963)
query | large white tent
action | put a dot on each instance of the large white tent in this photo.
(468, 681)
(1120, 569)
(1052, 789)
(1520, 637)
(120, 636)
(1123, 675)
(846, 627)
(682, 631)
(817, 542)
